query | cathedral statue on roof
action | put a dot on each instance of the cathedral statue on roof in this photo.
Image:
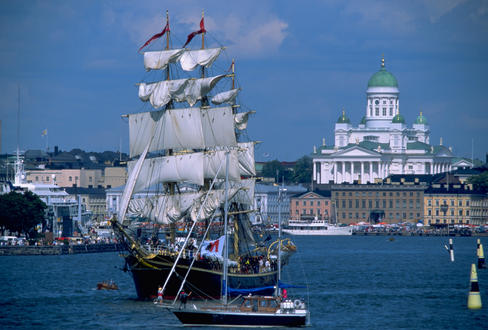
(381, 144)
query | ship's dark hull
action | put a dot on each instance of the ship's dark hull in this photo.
(214, 318)
(203, 281)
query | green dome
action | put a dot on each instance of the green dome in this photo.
(398, 119)
(343, 119)
(421, 120)
(382, 78)
(363, 121)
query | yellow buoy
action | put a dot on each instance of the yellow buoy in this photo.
(474, 298)
(481, 257)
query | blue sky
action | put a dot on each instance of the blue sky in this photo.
(299, 63)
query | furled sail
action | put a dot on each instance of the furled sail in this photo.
(204, 57)
(159, 60)
(226, 97)
(160, 93)
(163, 209)
(246, 159)
(190, 128)
(241, 119)
(198, 88)
(190, 90)
(214, 200)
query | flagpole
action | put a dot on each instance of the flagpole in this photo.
(203, 46)
(167, 42)
(203, 34)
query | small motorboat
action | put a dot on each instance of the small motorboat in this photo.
(107, 286)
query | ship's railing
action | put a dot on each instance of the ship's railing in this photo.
(243, 266)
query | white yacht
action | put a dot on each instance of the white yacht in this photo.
(315, 227)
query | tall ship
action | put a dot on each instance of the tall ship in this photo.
(183, 149)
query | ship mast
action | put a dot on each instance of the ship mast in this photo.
(203, 46)
(167, 42)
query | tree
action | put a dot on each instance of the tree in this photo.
(274, 169)
(480, 181)
(303, 170)
(21, 213)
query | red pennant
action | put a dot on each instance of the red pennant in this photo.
(156, 36)
(191, 35)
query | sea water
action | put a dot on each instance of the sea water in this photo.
(354, 282)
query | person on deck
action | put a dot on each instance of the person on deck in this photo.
(183, 298)
(160, 294)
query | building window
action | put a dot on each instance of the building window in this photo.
(460, 203)
(467, 203)
(460, 213)
(429, 212)
(304, 203)
(296, 203)
(37, 178)
(377, 111)
(452, 202)
(311, 203)
(467, 212)
(384, 111)
(436, 202)
(429, 202)
(70, 179)
(90, 179)
(391, 111)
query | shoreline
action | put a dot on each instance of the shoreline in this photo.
(16, 250)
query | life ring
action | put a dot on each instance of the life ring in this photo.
(297, 303)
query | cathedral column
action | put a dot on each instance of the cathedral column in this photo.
(362, 173)
(352, 172)
(370, 171)
(343, 170)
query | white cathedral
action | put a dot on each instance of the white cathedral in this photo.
(381, 144)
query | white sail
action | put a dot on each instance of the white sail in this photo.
(218, 127)
(226, 97)
(131, 183)
(214, 200)
(204, 57)
(246, 159)
(198, 88)
(181, 90)
(163, 209)
(159, 60)
(241, 119)
(181, 129)
(180, 168)
(160, 93)
(213, 161)
(245, 193)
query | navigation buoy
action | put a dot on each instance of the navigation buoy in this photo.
(481, 257)
(474, 298)
(450, 249)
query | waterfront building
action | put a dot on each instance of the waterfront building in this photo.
(382, 144)
(311, 205)
(83, 178)
(93, 199)
(267, 205)
(376, 203)
(452, 203)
